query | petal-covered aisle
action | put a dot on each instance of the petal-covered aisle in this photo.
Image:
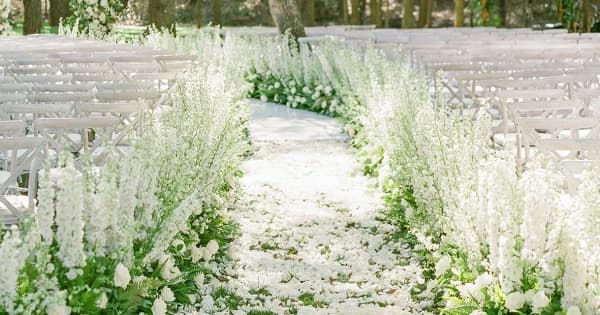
(310, 240)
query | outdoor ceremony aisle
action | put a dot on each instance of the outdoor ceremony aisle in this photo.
(310, 242)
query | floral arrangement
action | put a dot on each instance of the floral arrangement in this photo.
(94, 17)
(142, 233)
(5, 9)
(492, 240)
(288, 91)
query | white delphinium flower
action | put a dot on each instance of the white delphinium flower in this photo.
(199, 280)
(212, 247)
(573, 310)
(69, 216)
(5, 8)
(172, 226)
(46, 210)
(58, 309)
(125, 234)
(159, 307)
(169, 270)
(104, 214)
(541, 216)
(102, 301)
(13, 252)
(514, 301)
(167, 294)
(442, 266)
(122, 276)
(539, 301)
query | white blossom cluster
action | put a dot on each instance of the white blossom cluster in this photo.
(5, 10)
(139, 219)
(521, 232)
(94, 17)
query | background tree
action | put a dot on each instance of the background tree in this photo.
(198, 13)
(58, 9)
(408, 19)
(32, 16)
(217, 7)
(343, 5)
(355, 15)
(375, 8)
(286, 17)
(459, 13)
(425, 11)
(308, 12)
(586, 23)
(502, 13)
(161, 14)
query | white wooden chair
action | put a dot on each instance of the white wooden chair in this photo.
(72, 134)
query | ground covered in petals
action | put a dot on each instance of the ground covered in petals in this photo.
(312, 240)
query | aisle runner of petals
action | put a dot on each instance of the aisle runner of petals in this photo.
(310, 240)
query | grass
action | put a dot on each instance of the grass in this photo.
(46, 28)
(308, 299)
(228, 298)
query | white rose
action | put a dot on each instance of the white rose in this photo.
(159, 307)
(179, 245)
(197, 253)
(104, 3)
(57, 309)
(167, 294)
(122, 276)
(212, 246)
(514, 301)
(206, 254)
(169, 271)
(102, 17)
(573, 310)
(263, 98)
(442, 266)
(102, 301)
(199, 279)
(539, 300)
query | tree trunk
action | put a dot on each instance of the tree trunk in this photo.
(425, 10)
(355, 15)
(459, 13)
(198, 13)
(502, 12)
(408, 19)
(161, 14)
(32, 14)
(561, 11)
(363, 11)
(375, 7)
(586, 25)
(428, 21)
(286, 16)
(527, 12)
(422, 13)
(308, 12)
(58, 9)
(217, 17)
(344, 7)
(386, 14)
